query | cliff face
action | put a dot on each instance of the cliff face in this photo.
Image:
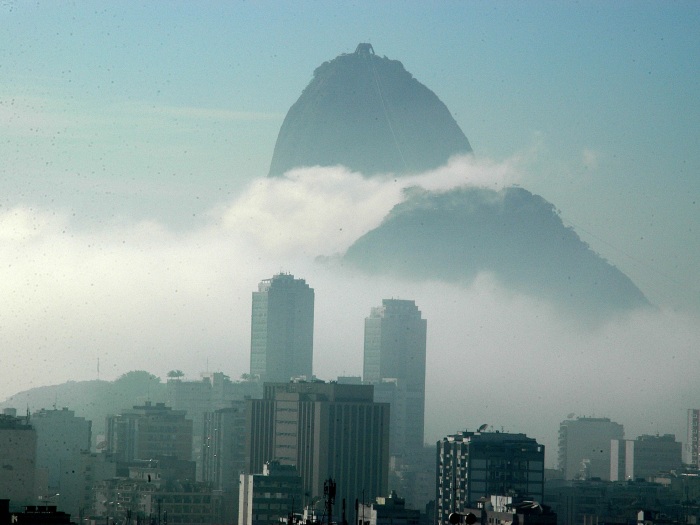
(515, 235)
(370, 115)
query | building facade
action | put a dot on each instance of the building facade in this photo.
(17, 458)
(390, 510)
(505, 510)
(223, 458)
(578, 502)
(693, 438)
(325, 430)
(394, 361)
(149, 432)
(474, 465)
(267, 497)
(282, 329)
(200, 398)
(61, 437)
(76, 484)
(644, 457)
(584, 447)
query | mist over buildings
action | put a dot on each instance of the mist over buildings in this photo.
(143, 296)
(141, 281)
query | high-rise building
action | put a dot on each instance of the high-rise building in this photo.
(76, 483)
(394, 361)
(149, 432)
(224, 446)
(223, 457)
(282, 329)
(644, 457)
(693, 440)
(474, 465)
(17, 459)
(584, 447)
(325, 430)
(61, 437)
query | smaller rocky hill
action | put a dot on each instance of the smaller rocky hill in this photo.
(513, 234)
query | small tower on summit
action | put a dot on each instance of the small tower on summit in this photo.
(364, 49)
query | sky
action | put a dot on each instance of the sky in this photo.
(136, 219)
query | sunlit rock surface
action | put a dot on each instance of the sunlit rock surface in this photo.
(370, 115)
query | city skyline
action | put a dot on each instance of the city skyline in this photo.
(136, 216)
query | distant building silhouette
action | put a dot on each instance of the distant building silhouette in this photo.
(17, 458)
(77, 482)
(693, 439)
(474, 465)
(326, 430)
(223, 457)
(61, 437)
(148, 432)
(584, 447)
(394, 361)
(644, 457)
(579, 502)
(282, 329)
(204, 396)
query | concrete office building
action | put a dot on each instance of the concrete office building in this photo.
(504, 510)
(282, 329)
(474, 465)
(76, 484)
(326, 430)
(394, 361)
(223, 458)
(693, 439)
(149, 432)
(389, 510)
(224, 446)
(61, 437)
(212, 392)
(644, 457)
(267, 497)
(584, 447)
(17, 458)
(154, 493)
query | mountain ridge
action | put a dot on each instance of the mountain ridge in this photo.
(368, 113)
(512, 233)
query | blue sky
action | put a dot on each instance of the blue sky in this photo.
(135, 138)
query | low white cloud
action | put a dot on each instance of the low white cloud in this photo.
(317, 210)
(142, 296)
(21, 224)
